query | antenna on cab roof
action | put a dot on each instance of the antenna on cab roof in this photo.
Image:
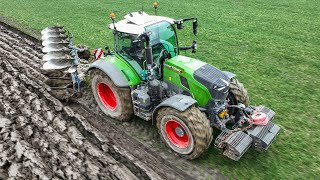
(113, 16)
(142, 7)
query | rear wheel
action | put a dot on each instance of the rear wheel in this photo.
(237, 94)
(113, 101)
(187, 133)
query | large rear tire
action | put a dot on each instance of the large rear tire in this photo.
(187, 133)
(237, 94)
(113, 101)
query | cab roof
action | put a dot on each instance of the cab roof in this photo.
(135, 23)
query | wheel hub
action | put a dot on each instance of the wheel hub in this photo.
(179, 131)
(176, 133)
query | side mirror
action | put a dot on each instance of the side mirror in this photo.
(195, 26)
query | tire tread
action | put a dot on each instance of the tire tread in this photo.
(198, 124)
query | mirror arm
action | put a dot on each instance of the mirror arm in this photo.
(180, 21)
(185, 47)
(193, 47)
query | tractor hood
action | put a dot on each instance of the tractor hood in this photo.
(214, 80)
(186, 64)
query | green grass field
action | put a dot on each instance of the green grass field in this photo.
(273, 47)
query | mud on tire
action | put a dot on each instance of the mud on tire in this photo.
(122, 108)
(239, 92)
(194, 124)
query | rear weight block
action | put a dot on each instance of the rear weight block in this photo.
(263, 135)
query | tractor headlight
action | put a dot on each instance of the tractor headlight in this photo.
(220, 93)
(220, 89)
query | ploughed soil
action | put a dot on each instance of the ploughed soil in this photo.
(42, 137)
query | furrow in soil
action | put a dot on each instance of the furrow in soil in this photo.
(41, 137)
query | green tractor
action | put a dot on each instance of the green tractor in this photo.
(147, 77)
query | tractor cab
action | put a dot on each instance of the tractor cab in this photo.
(130, 45)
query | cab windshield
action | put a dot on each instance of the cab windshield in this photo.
(163, 36)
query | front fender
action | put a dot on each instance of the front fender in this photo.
(179, 102)
(111, 71)
(230, 74)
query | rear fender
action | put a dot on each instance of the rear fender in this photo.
(111, 71)
(179, 102)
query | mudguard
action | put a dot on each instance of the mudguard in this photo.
(179, 102)
(112, 71)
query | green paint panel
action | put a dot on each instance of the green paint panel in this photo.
(188, 66)
(128, 72)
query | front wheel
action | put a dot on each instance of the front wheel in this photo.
(237, 94)
(113, 101)
(187, 133)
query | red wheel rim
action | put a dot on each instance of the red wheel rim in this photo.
(107, 96)
(179, 140)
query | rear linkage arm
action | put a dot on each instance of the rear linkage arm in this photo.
(241, 118)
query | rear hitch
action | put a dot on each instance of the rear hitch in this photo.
(234, 143)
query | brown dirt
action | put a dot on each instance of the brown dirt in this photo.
(44, 138)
